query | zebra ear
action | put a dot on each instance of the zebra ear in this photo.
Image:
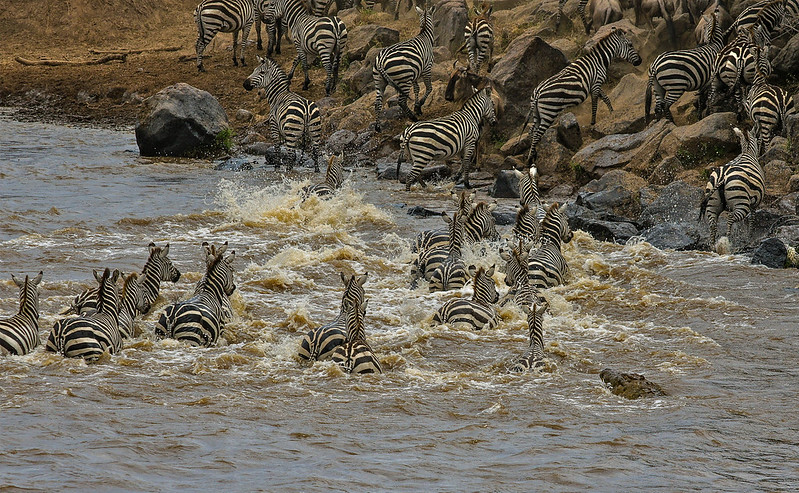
(419, 11)
(114, 275)
(17, 281)
(230, 258)
(344, 279)
(97, 277)
(221, 250)
(165, 250)
(361, 280)
(446, 218)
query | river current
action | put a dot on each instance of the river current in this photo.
(719, 335)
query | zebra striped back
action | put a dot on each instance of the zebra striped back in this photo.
(573, 84)
(478, 312)
(526, 228)
(226, 16)
(293, 119)
(768, 106)
(516, 275)
(20, 334)
(429, 260)
(201, 319)
(355, 355)
(735, 68)
(528, 189)
(480, 224)
(131, 303)
(534, 356)
(89, 336)
(479, 36)
(450, 273)
(737, 187)
(333, 178)
(769, 14)
(319, 343)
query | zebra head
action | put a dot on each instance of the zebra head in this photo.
(464, 200)
(356, 312)
(750, 144)
(515, 263)
(455, 229)
(263, 74)
(535, 319)
(484, 288)
(160, 263)
(426, 18)
(487, 105)
(353, 289)
(219, 273)
(29, 292)
(624, 48)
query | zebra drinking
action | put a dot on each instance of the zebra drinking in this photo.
(293, 120)
(448, 136)
(226, 16)
(573, 84)
(19, 334)
(89, 336)
(354, 354)
(201, 319)
(478, 312)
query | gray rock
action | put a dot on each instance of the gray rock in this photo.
(257, 148)
(360, 39)
(678, 202)
(569, 132)
(593, 223)
(280, 157)
(627, 98)
(672, 237)
(506, 185)
(180, 120)
(787, 60)
(243, 115)
(778, 149)
(341, 140)
(666, 171)
(617, 193)
(449, 21)
(777, 172)
(706, 140)
(387, 170)
(357, 79)
(771, 252)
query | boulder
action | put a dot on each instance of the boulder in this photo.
(627, 99)
(787, 60)
(601, 229)
(793, 183)
(357, 79)
(569, 132)
(629, 385)
(676, 203)
(778, 149)
(360, 39)
(341, 140)
(180, 120)
(528, 60)
(449, 21)
(243, 115)
(387, 170)
(771, 252)
(777, 174)
(708, 139)
(673, 237)
(616, 193)
(792, 132)
(506, 185)
(666, 171)
(552, 155)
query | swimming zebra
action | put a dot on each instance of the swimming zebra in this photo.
(480, 223)
(430, 260)
(734, 70)
(333, 178)
(528, 190)
(479, 38)
(534, 356)
(527, 226)
(201, 319)
(402, 64)
(19, 334)
(768, 106)
(293, 120)
(89, 336)
(325, 37)
(675, 72)
(226, 16)
(157, 268)
(516, 275)
(320, 342)
(439, 238)
(737, 187)
(354, 354)
(547, 266)
(131, 303)
(573, 84)
(477, 312)
(447, 136)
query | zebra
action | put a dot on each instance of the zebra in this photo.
(354, 354)
(573, 84)
(333, 179)
(402, 64)
(157, 268)
(430, 260)
(227, 16)
(439, 238)
(479, 38)
(737, 187)
(478, 312)
(580, 10)
(89, 336)
(516, 275)
(768, 106)
(325, 37)
(201, 319)
(293, 120)
(320, 342)
(131, 302)
(19, 334)
(546, 267)
(675, 72)
(769, 14)
(534, 356)
(734, 69)
(480, 223)
(527, 226)
(446, 137)
(528, 190)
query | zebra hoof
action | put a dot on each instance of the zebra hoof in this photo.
(200, 68)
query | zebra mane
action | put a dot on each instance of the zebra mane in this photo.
(126, 284)
(613, 32)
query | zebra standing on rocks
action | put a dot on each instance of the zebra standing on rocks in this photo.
(534, 356)
(20, 333)
(201, 319)
(446, 137)
(547, 267)
(737, 187)
(573, 84)
(675, 72)
(89, 336)
(402, 64)
(734, 70)
(768, 106)
(479, 38)
(355, 355)
(478, 312)
(293, 120)
(227, 16)
(320, 342)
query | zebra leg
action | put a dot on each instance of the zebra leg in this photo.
(380, 87)
(259, 45)
(235, 46)
(713, 221)
(466, 165)
(307, 81)
(416, 91)
(245, 34)
(200, 47)
(586, 21)
(274, 130)
(428, 84)
(535, 136)
(296, 62)
(403, 102)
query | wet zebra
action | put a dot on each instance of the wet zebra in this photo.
(439, 238)
(293, 120)
(573, 84)
(201, 319)
(131, 303)
(546, 267)
(737, 187)
(402, 64)
(675, 72)
(479, 38)
(91, 335)
(534, 356)
(19, 334)
(527, 227)
(325, 37)
(734, 70)
(528, 191)
(157, 268)
(478, 312)
(430, 260)
(320, 342)
(226, 16)
(334, 176)
(447, 136)
(480, 223)
(768, 106)
(516, 275)
(354, 354)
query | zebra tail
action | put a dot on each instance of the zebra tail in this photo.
(706, 199)
(385, 76)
